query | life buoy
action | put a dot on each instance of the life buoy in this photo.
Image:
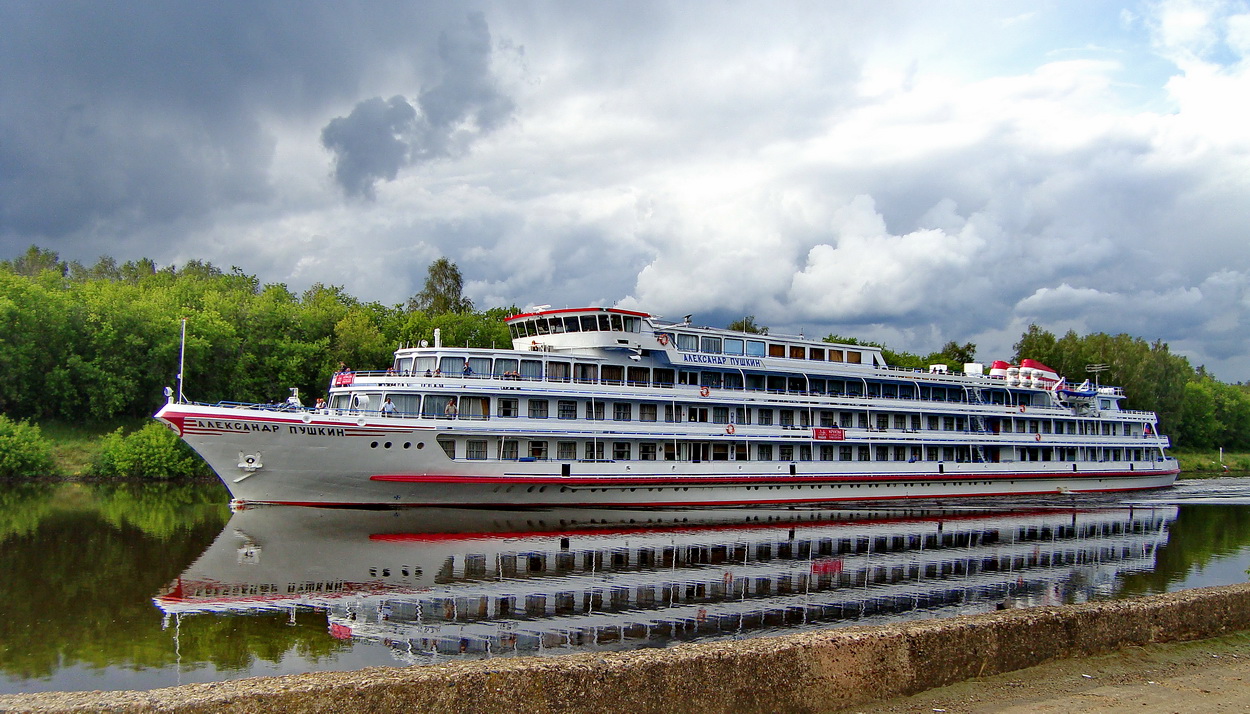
(730, 429)
(704, 391)
(1022, 408)
(662, 338)
(1037, 437)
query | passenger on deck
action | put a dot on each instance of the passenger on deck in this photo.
(450, 410)
(388, 408)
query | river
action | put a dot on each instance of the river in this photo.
(136, 587)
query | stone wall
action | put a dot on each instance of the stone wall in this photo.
(811, 672)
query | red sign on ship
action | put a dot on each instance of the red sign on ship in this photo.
(344, 379)
(831, 434)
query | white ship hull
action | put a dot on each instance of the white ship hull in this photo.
(323, 459)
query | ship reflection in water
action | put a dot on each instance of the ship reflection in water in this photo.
(433, 584)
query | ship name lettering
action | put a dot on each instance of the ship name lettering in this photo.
(722, 359)
(317, 431)
(234, 425)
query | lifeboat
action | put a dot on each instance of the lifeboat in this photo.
(1040, 376)
(998, 370)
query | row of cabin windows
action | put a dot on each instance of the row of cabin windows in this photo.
(687, 342)
(558, 325)
(478, 407)
(511, 449)
(557, 371)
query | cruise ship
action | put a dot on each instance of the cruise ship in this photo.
(603, 406)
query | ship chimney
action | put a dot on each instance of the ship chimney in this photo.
(438, 337)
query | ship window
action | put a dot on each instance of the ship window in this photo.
(816, 386)
(646, 452)
(710, 379)
(475, 408)
(816, 353)
(556, 325)
(531, 369)
(696, 414)
(616, 323)
(538, 450)
(764, 452)
(479, 366)
(571, 325)
(755, 348)
(720, 452)
(451, 366)
(733, 381)
(844, 453)
(853, 357)
(506, 368)
(785, 452)
(507, 407)
(449, 447)
(827, 452)
(775, 350)
(538, 408)
(340, 401)
(594, 410)
(835, 355)
(688, 343)
(710, 345)
(741, 415)
(639, 376)
(720, 415)
(509, 449)
(613, 374)
(633, 324)
(476, 450)
(805, 452)
(621, 450)
(797, 352)
(589, 324)
(733, 346)
(406, 403)
(766, 417)
(647, 412)
(439, 407)
(663, 377)
(423, 365)
(787, 418)
(403, 365)
(594, 451)
(566, 409)
(566, 450)
(622, 411)
(558, 371)
(586, 373)
(603, 323)
(541, 324)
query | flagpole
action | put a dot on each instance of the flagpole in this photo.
(182, 359)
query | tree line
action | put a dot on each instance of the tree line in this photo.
(102, 341)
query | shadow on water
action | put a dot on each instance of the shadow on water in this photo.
(110, 587)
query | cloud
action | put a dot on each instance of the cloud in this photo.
(379, 137)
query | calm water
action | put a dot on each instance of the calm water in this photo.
(121, 587)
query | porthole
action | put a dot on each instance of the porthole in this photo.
(373, 445)
(407, 444)
(420, 444)
(387, 445)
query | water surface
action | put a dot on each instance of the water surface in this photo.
(136, 587)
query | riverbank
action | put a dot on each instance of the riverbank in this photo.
(831, 670)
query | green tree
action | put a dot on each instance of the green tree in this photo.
(23, 450)
(35, 261)
(747, 325)
(442, 292)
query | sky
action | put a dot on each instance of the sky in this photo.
(902, 172)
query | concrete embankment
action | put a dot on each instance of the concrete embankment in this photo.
(810, 672)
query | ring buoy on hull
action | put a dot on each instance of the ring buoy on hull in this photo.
(730, 429)
(1037, 437)
(662, 338)
(1022, 408)
(704, 391)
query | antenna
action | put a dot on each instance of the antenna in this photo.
(1096, 369)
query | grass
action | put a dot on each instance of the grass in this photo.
(1197, 463)
(75, 446)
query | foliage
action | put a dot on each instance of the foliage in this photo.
(747, 325)
(97, 343)
(442, 292)
(153, 452)
(23, 449)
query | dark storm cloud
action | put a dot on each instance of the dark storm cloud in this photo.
(379, 137)
(119, 116)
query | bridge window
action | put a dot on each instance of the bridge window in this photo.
(687, 343)
(734, 346)
(711, 345)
